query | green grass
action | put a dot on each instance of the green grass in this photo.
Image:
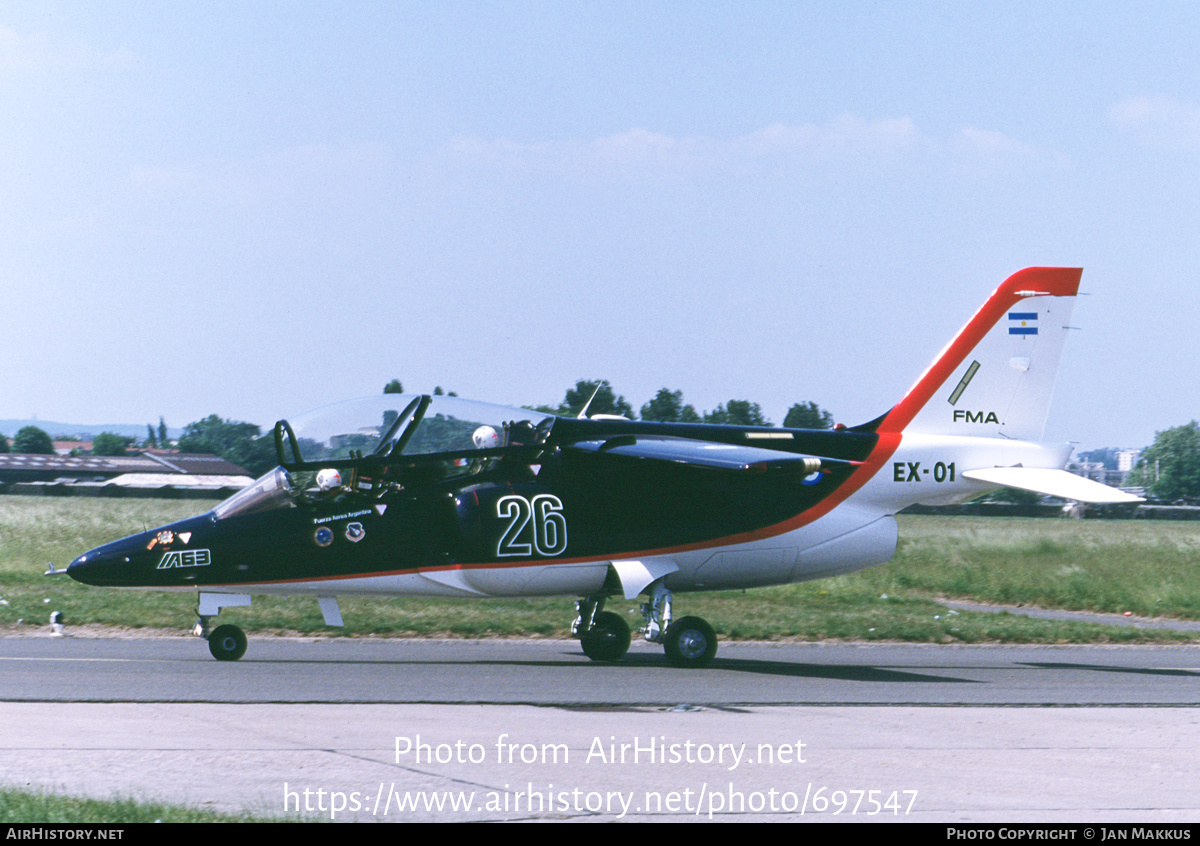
(1145, 567)
(32, 806)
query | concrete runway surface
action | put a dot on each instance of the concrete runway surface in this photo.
(512, 730)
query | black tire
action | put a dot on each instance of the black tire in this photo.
(690, 643)
(227, 643)
(608, 638)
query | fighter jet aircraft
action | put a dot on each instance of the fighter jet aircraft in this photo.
(402, 495)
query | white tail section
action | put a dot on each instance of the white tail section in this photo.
(996, 378)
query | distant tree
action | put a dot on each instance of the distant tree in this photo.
(606, 402)
(3, 444)
(216, 435)
(807, 415)
(33, 441)
(164, 436)
(258, 456)
(667, 407)
(232, 440)
(1106, 456)
(106, 443)
(1170, 467)
(738, 413)
(151, 439)
(393, 387)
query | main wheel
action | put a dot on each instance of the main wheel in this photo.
(607, 639)
(690, 642)
(227, 643)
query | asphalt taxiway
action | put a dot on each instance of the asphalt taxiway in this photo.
(556, 673)
(386, 730)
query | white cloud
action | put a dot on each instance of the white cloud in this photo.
(843, 148)
(1160, 122)
(844, 145)
(985, 151)
(846, 138)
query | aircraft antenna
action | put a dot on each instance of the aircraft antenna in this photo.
(583, 411)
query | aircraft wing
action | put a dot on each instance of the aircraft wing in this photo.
(1058, 483)
(709, 454)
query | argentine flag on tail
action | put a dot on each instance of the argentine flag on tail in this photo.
(1022, 323)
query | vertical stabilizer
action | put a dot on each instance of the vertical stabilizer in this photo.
(996, 378)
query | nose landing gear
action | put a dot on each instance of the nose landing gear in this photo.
(226, 642)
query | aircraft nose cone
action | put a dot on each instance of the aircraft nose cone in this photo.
(107, 565)
(91, 568)
(156, 558)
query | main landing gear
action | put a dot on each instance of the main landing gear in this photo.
(689, 642)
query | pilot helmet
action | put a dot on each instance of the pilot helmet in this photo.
(328, 479)
(485, 437)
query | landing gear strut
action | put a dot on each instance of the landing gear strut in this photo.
(690, 642)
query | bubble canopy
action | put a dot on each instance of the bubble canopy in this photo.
(390, 425)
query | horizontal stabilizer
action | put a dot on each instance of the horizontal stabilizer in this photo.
(1058, 483)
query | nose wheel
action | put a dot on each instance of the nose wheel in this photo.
(227, 643)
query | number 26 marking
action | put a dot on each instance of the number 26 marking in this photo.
(547, 525)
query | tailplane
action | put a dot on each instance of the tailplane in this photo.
(1051, 482)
